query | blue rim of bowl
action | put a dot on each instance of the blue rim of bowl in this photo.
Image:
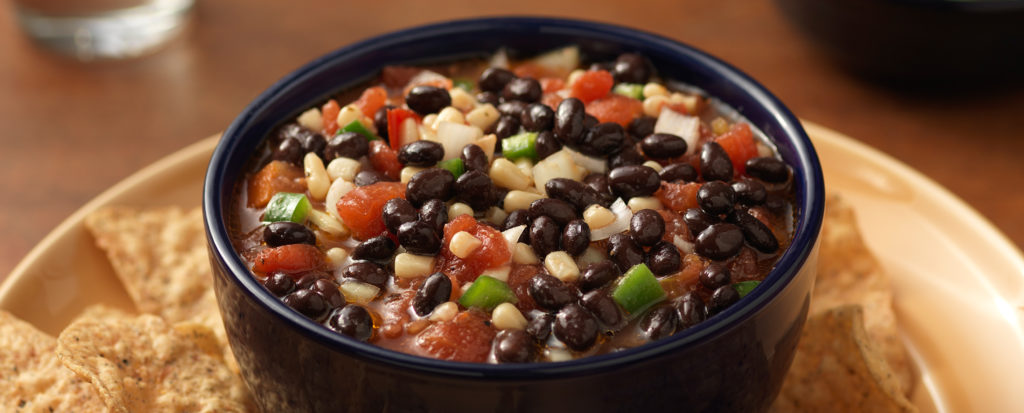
(810, 199)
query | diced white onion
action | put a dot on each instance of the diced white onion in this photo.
(683, 126)
(558, 165)
(685, 247)
(589, 163)
(455, 136)
(621, 223)
(512, 236)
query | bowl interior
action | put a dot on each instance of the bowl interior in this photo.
(357, 63)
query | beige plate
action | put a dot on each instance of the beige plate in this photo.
(959, 283)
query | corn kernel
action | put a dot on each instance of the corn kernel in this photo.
(458, 208)
(316, 176)
(408, 172)
(450, 114)
(653, 165)
(338, 189)
(524, 254)
(507, 317)
(495, 215)
(358, 292)
(327, 223)
(558, 354)
(462, 99)
(592, 255)
(526, 167)
(506, 174)
(498, 273)
(463, 244)
(487, 144)
(348, 114)
(430, 121)
(412, 266)
(652, 105)
(311, 119)
(561, 265)
(688, 101)
(343, 168)
(444, 312)
(336, 257)
(644, 202)
(410, 131)
(520, 200)
(483, 116)
(654, 89)
(574, 76)
(719, 126)
(597, 216)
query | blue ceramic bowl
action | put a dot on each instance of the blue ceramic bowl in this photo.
(734, 361)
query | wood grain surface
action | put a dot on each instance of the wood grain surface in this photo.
(71, 129)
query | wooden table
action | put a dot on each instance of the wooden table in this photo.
(70, 130)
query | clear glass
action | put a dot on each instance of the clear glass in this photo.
(102, 29)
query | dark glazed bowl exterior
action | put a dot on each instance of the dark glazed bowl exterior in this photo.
(734, 361)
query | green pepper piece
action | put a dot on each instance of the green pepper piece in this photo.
(486, 293)
(523, 145)
(745, 287)
(633, 90)
(463, 84)
(287, 206)
(357, 127)
(638, 289)
(454, 165)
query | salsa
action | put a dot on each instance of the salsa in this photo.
(503, 212)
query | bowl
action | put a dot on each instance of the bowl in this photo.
(734, 361)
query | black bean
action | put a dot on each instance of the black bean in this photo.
(281, 233)
(494, 79)
(379, 248)
(475, 189)
(697, 220)
(716, 197)
(498, 195)
(664, 258)
(309, 141)
(488, 97)
(308, 278)
(310, 303)
(540, 326)
(544, 235)
(474, 158)
(369, 177)
(691, 310)
(631, 68)
(367, 272)
(380, 120)
(513, 346)
(425, 99)
(547, 145)
(714, 276)
(660, 322)
(749, 192)
(756, 232)
(663, 146)
(722, 298)
(768, 169)
(395, 212)
(346, 145)
(429, 184)
(714, 163)
(598, 274)
(647, 226)
(642, 126)
(525, 89)
(603, 307)
(589, 121)
(420, 153)
(574, 192)
(435, 213)
(515, 219)
(419, 237)
(436, 290)
(353, 321)
(576, 237)
(602, 140)
(279, 284)
(549, 292)
(569, 121)
(681, 171)
(329, 291)
(599, 182)
(560, 211)
(719, 241)
(513, 108)
(634, 180)
(575, 327)
(629, 155)
(507, 126)
(537, 117)
(624, 252)
(288, 150)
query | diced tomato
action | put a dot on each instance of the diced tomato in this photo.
(551, 99)
(361, 207)
(396, 313)
(396, 117)
(329, 113)
(593, 85)
(467, 337)
(492, 252)
(291, 259)
(551, 84)
(678, 197)
(372, 100)
(530, 69)
(519, 281)
(738, 142)
(616, 108)
(276, 176)
(385, 159)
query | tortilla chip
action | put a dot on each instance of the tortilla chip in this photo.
(32, 378)
(836, 369)
(144, 364)
(849, 274)
(160, 256)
